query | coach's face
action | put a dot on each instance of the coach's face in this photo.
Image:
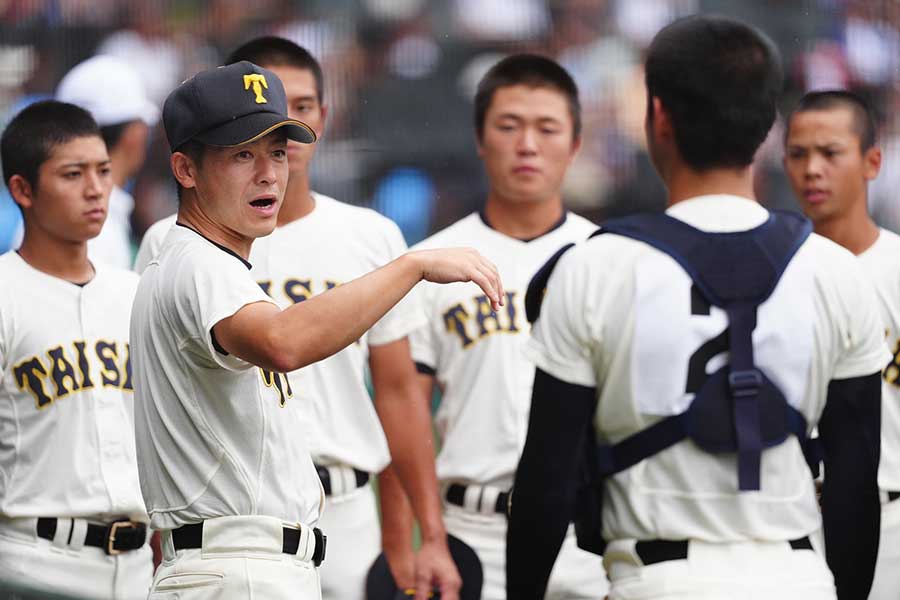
(303, 105)
(825, 164)
(527, 143)
(241, 188)
(71, 198)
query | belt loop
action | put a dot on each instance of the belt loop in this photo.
(63, 532)
(489, 496)
(307, 546)
(166, 545)
(337, 480)
(349, 477)
(78, 534)
(471, 497)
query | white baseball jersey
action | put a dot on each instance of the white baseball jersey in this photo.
(618, 315)
(113, 245)
(152, 242)
(216, 436)
(879, 264)
(66, 400)
(335, 244)
(476, 354)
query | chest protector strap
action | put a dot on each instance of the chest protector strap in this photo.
(738, 409)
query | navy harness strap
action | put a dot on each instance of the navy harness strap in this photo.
(736, 272)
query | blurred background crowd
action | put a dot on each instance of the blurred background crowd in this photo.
(401, 74)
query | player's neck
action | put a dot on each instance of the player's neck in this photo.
(522, 220)
(855, 231)
(685, 183)
(57, 257)
(298, 200)
(191, 215)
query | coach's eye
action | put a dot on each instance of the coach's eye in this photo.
(279, 153)
(244, 154)
(72, 174)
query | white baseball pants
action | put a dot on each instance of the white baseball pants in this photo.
(739, 571)
(577, 575)
(241, 557)
(66, 566)
(354, 542)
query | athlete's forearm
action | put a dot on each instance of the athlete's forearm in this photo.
(850, 429)
(397, 523)
(403, 408)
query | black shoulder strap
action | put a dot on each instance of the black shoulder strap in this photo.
(741, 266)
(534, 297)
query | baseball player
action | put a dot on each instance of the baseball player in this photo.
(72, 520)
(527, 122)
(320, 243)
(224, 463)
(830, 157)
(701, 348)
(125, 116)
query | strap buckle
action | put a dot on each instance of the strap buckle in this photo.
(744, 383)
(321, 540)
(114, 528)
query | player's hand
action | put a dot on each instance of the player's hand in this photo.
(449, 265)
(435, 569)
(402, 564)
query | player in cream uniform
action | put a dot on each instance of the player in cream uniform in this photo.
(620, 327)
(831, 154)
(334, 244)
(528, 132)
(319, 244)
(224, 468)
(72, 520)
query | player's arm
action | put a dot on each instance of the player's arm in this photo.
(850, 429)
(309, 331)
(544, 490)
(405, 416)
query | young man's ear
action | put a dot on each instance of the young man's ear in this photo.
(871, 163)
(21, 191)
(184, 169)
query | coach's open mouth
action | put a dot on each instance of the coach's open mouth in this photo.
(262, 202)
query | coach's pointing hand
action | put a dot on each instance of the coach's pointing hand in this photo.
(449, 265)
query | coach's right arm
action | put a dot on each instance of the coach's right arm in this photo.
(284, 341)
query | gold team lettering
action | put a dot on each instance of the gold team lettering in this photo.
(58, 375)
(258, 82)
(891, 372)
(476, 320)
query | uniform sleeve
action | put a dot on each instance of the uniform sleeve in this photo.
(151, 243)
(560, 342)
(212, 292)
(423, 340)
(407, 315)
(863, 348)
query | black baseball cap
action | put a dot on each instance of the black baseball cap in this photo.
(230, 106)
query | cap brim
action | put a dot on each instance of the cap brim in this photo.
(250, 128)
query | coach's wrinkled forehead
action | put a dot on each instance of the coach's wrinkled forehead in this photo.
(230, 106)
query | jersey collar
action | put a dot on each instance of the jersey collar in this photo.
(554, 227)
(218, 245)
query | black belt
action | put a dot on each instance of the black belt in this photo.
(362, 478)
(893, 496)
(456, 494)
(191, 536)
(657, 551)
(115, 538)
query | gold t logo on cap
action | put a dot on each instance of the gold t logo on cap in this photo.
(258, 82)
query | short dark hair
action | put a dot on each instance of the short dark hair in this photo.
(532, 70)
(113, 133)
(195, 151)
(30, 137)
(719, 80)
(863, 115)
(272, 51)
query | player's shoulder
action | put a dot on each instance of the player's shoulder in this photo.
(161, 228)
(467, 231)
(350, 216)
(577, 226)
